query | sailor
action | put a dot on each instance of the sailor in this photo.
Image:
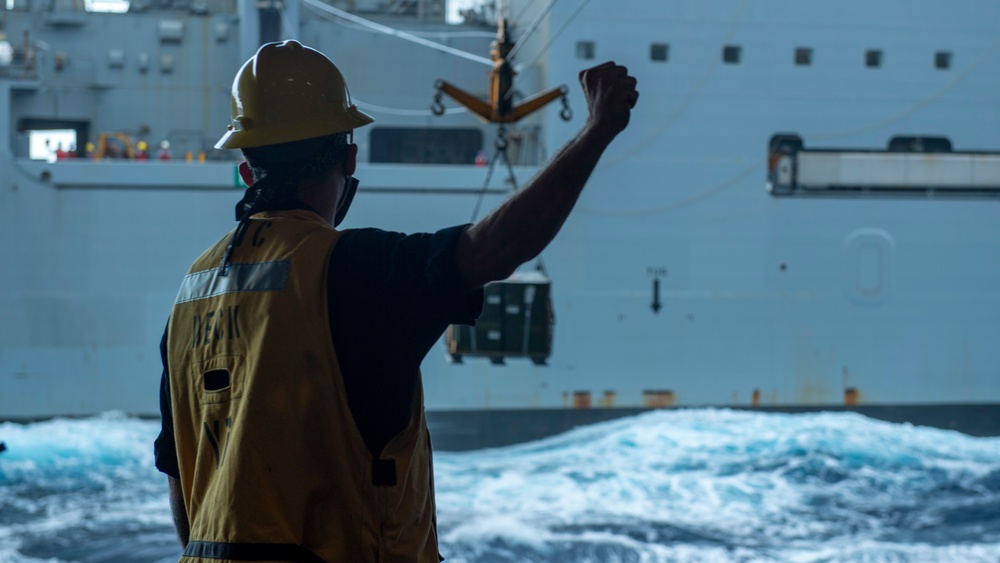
(293, 420)
(164, 152)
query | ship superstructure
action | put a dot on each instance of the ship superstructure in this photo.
(755, 239)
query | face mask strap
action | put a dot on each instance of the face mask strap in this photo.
(350, 188)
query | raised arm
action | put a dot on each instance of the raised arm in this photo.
(524, 225)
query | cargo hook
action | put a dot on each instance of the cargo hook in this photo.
(437, 108)
(565, 113)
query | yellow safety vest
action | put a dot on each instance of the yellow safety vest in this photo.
(271, 462)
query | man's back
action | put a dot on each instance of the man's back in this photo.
(268, 449)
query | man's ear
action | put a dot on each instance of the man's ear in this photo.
(351, 161)
(246, 174)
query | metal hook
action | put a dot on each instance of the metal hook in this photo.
(437, 108)
(501, 142)
(565, 113)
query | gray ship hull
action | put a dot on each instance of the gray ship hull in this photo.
(679, 281)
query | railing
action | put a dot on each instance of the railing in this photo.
(81, 173)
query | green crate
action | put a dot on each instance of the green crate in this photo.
(516, 322)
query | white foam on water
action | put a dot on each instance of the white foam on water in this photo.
(10, 555)
(711, 478)
(67, 479)
(679, 485)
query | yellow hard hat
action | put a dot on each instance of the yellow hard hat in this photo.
(289, 92)
(142, 145)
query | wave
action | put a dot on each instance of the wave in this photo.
(674, 485)
(707, 484)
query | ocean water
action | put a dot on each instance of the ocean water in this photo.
(685, 485)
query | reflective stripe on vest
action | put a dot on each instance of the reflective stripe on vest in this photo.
(260, 276)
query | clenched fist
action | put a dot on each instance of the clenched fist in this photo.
(611, 95)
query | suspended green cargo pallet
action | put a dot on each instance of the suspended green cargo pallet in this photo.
(516, 322)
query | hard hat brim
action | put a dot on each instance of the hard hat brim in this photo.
(251, 137)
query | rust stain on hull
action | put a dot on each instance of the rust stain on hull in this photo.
(851, 396)
(658, 399)
(608, 400)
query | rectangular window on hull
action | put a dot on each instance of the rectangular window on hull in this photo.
(425, 146)
(658, 52)
(103, 6)
(803, 56)
(50, 139)
(51, 144)
(873, 58)
(731, 54)
(113, 6)
(942, 60)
